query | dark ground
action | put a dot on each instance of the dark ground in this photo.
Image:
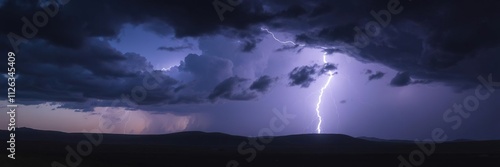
(190, 149)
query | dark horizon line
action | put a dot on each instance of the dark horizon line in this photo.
(367, 138)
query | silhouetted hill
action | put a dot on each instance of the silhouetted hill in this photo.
(40, 148)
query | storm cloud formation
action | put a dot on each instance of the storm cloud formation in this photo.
(453, 48)
(303, 76)
(209, 69)
(175, 48)
(262, 84)
(404, 79)
(70, 59)
(237, 88)
(374, 76)
(232, 89)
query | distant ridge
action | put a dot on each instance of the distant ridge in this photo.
(45, 134)
(200, 148)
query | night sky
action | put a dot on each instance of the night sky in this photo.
(395, 69)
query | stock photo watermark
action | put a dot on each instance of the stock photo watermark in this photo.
(373, 28)
(11, 96)
(453, 116)
(29, 30)
(223, 7)
(39, 20)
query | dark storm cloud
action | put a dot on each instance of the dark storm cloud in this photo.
(342, 33)
(74, 23)
(65, 62)
(249, 44)
(262, 84)
(87, 106)
(209, 69)
(303, 76)
(401, 79)
(376, 75)
(232, 89)
(287, 47)
(175, 48)
(330, 51)
(94, 71)
(434, 40)
(404, 79)
(328, 67)
(446, 41)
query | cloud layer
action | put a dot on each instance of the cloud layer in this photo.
(70, 60)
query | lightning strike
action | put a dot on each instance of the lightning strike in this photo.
(280, 41)
(330, 76)
(318, 112)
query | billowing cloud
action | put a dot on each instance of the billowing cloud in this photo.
(303, 76)
(175, 48)
(70, 60)
(249, 44)
(374, 76)
(210, 70)
(418, 38)
(404, 79)
(401, 79)
(262, 84)
(93, 71)
(288, 47)
(327, 67)
(232, 89)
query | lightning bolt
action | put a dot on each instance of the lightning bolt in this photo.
(280, 41)
(318, 112)
(330, 76)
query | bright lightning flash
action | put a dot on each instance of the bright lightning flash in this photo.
(280, 41)
(330, 76)
(318, 112)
